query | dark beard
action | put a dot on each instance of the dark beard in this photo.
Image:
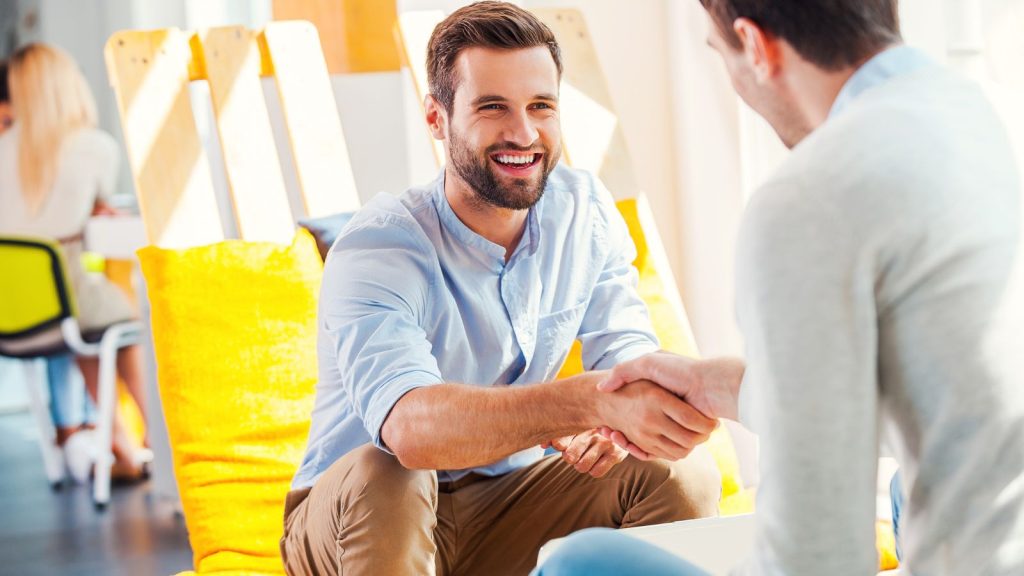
(479, 175)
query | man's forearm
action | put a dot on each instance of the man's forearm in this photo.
(453, 426)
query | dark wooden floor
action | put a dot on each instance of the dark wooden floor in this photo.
(52, 533)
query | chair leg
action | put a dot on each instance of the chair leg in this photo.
(38, 401)
(107, 396)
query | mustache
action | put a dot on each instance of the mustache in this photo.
(505, 146)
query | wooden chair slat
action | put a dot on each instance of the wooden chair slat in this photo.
(356, 34)
(591, 132)
(412, 32)
(311, 115)
(150, 71)
(231, 56)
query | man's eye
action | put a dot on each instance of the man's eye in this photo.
(543, 106)
(491, 107)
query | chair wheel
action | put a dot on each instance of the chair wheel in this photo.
(56, 486)
(100, 506)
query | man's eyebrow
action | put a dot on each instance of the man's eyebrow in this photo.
(487, 99)
(491, 98)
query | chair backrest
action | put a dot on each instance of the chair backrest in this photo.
(151, 72)
(35, 297)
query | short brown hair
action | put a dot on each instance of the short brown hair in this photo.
(832, 34)
(487, 24)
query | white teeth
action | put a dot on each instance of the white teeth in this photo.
(509, 159)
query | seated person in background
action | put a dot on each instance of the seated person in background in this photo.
(72, 413)
(444, 315)
(55, 169)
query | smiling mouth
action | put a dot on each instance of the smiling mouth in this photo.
(517, 161)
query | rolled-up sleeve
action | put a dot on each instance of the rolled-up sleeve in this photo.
(373, 301)
(616, 326)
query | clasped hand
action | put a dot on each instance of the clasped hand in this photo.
(690, 395)
(589, 452)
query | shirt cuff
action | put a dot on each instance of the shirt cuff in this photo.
(389, 395)
(625, 354)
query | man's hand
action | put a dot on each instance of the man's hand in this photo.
(589, 452)
(710, 386)
(101, 208)
(657, 422)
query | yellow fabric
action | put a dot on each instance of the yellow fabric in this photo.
(33, 299)
(674, 335)
(885, 541)
(721, 447)
(128, 412)
(741, 502)
(94, 262)
(234, 331)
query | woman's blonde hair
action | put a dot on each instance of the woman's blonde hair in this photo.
(51, 101)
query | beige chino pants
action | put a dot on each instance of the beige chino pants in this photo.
(368, 515)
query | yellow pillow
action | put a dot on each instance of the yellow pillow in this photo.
(234, 331)
(673, 330)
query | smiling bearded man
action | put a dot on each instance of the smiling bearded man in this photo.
(446, 312)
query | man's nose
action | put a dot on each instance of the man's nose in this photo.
(521, 130)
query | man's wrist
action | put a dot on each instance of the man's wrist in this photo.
(589, 406)
(720, 380)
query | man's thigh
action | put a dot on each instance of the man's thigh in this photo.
(503, 522)
(366, 513)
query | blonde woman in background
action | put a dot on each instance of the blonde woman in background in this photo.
(56, 170)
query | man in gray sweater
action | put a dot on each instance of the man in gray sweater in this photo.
(879, 282)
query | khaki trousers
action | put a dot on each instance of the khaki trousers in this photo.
(368, 515)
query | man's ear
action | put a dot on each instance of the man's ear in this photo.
(760, 49)
(437, 120)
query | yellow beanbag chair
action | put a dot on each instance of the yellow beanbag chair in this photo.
(234, 332)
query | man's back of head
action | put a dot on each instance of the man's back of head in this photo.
(832, 35)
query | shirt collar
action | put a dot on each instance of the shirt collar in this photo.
(888, 64)
(457, 228)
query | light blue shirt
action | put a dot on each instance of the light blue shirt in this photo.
(411, 297)
(896, 61)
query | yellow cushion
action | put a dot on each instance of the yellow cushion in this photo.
(885, 541)
(234, 331)
(673, 330)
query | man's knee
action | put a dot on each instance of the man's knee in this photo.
(691, 486)
(368, 475)
(364, 494)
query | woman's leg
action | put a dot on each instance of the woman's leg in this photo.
(67, 396)
(607, 552)
(121, 443)
(129, 367)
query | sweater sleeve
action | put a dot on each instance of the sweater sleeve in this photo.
(805, 304)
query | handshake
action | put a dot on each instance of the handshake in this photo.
(658, 406)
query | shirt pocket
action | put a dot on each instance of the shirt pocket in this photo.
(555, 335)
